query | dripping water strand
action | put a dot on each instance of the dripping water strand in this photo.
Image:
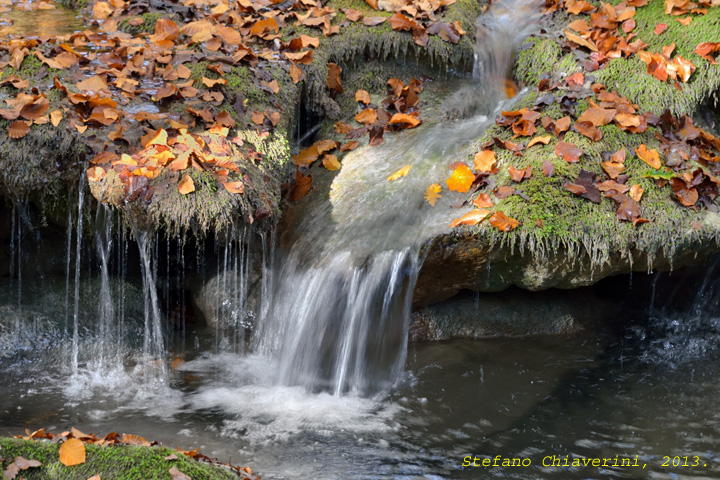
(78, 252)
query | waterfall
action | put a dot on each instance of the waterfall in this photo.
(342, 297)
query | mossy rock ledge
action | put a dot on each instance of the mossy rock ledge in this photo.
(116, 462)
(563, 240)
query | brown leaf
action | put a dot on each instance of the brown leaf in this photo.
(92, 84)
(372, 21)
(352, 14)
(519, 175)
(707, 49)
(598, 116)
(660, 28)
(296, 73)
(401, 22)
(686, 195)
(18, 129)
(333, 78)
(562, 125)
(636, 192)
(568, 152)
(548, 168)
(72, 452)
(502, 222)
(575, 189)
(233, 187)
(166, 30)
(177, 474)
(24, 464)
(589, 130)
(304, 58)
(577, 39)
(301, 186)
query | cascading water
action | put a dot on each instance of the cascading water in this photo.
(340, 309)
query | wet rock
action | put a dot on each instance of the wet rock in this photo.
(513, 313)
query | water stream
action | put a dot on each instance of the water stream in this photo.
(307, 370)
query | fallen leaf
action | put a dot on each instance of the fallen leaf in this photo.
(461, 179)
(651, 157)
(543, 140)
(484, 161)
(362, 96)
(367, 117)
(95, 174)
(473, 217)
(177, 474)
(568, 152)
(330, 162)
(301, 187)
(333, 77)
(18, 129)
(660, 28)
(502, 222)
(185, 186)
(432, 194)
(56, 117)
(400, 173)
(92, 84)
(483, 201)
(405, 120)
(519, 175)
(233, 187)
(636, 192)
(72, 452)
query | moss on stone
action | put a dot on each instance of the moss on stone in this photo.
(630, 78)
(149, 20)
(109, 462)
(542, 56)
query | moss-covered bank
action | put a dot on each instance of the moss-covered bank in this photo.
(108, 462)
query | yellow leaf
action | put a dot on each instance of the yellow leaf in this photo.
(400, 173)
(362, 96)
(186, 185)
(471, 218)
(484, 161)
(461, 179)
(433, 193)
(72, 452)
(331, 162)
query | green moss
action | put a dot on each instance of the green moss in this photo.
(148, 22)
(110, 462)
(630, 77)
(541, 56)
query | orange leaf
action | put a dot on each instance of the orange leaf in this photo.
(636, 192)
(94, 83)
(265, 25)
(461, 179)
(597, 116)
(95, 174)
(367, 116)
(296, 73)
(484, 161)
(72, 452)
(581, 41)
(483, 201)
(333, 78)
(433, 193)
(544, 140)
(519, 175)
(502, 222)
(186, 185)
(651, 157)
(473, 217)
(362, 96)
(235, 187)
(400, 173)
(18, 129)
(102, 10)
(301, 187)
(408, 121)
